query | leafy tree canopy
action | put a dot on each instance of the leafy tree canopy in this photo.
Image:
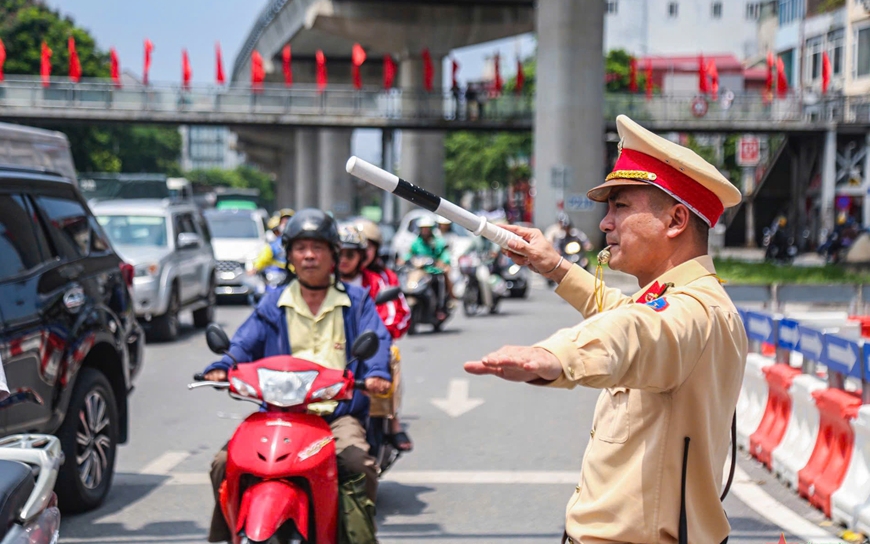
(24, 25)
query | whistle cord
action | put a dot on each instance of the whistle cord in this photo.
(599, 288)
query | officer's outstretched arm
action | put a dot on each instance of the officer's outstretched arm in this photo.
(640, 346)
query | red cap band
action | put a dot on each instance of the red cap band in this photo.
(698, 198)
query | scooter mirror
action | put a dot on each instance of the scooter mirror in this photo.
(386, 295)
(365, 346)
(217, 339)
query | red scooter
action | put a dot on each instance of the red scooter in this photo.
(281, 484)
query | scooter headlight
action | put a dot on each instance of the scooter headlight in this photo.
(285, 388)
(572, 248)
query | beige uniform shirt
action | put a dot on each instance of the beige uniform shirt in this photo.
(669, 369)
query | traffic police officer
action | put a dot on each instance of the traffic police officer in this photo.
(669, 360)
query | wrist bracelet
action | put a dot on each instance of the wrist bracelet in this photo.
(555, 267)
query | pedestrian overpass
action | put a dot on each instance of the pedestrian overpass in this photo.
(24, 99)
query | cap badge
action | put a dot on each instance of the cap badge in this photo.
(631, 174)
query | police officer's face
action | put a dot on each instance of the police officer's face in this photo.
(313, 261)
(635, 230)
(426, 232)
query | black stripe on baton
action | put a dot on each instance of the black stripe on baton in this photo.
(417, 195)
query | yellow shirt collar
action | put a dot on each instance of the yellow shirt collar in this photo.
(292, 298)
(683, 274)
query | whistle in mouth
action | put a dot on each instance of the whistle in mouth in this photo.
(604, 256)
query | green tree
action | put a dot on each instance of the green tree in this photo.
(24, 25)
(617, 72)
(243, 176)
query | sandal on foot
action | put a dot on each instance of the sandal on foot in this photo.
(401, 441)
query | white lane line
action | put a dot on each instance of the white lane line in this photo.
(777, 513)
(164, 464)
(424, 477)
(134, 538)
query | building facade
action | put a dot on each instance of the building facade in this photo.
(687, 27)
(208, 147)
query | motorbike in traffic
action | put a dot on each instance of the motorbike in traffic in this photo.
(281, 484)
(516, 277)
(484, 288)
(29, 464)
(420, 288)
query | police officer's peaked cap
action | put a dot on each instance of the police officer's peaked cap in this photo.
(648, 159)
(311, 224)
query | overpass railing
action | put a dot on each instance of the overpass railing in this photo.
(26, 93)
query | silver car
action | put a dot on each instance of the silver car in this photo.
(169, 245)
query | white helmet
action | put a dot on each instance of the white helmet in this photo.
(426, 221)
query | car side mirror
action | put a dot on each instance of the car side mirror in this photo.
(365, 346)
(188, 240)
(386, 295)
(217, 339)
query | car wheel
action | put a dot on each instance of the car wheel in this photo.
(166, 326)
(89, 439)
(204, 316)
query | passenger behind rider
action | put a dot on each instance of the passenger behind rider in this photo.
(315, 317)
(429, 245)
(396, 317)
(273, 253)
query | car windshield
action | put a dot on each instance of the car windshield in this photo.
(135, 230)
(225, 226)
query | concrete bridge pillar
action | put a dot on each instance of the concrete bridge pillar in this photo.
(422, 152)
(285, 181)
(336, 192)
(569, 149)
(307, 162)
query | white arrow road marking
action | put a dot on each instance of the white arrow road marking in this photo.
(760, 326)
(457, 401)
(845, 355)
(811, 343)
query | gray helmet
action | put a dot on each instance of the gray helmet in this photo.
(311, 224)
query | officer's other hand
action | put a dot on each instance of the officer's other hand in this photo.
(216, 376)
(518, 364)
(537, 253)
(377, 386)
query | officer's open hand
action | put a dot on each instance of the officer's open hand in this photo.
(518, 364)
(377, 386)
(538, 254)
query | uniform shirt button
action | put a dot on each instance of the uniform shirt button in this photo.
(592, 433)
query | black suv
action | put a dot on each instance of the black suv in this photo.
(67, 329)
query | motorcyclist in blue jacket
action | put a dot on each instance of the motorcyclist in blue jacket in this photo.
(314, 317)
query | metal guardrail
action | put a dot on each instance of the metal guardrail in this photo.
(26, 97)
(775, 296)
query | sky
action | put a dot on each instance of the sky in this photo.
(198, 25)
